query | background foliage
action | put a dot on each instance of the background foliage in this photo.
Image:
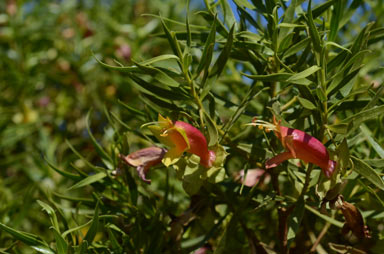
(78, 79)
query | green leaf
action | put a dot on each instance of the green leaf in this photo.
(361, 41)
(357, 119)
(219, 65)
(288, 19)
(325, 217)
(331, 43)
(212, 130)
(172, 40)
(81, 157)
(132, 110)
(318, 10)
(61, 244)
(227, 243)
(88, 180)
(160, 58)
(65, 233)
(294, 220)
(278, 77)
(104, 156)
(117, 68)
(192, 175)
(206, 57)
(32, 240)
(156, 91)
(377, 163)
(335, 87)
(247, 16)
(51, 213)
(162, 106)
(274, 77)
(159, 75)
(217, 173)
(303, 74)
(114, 242)
(295, 48)
(209, 17)
(336, 17)
(92, 231)
(372, 142)
(63, 172)
(86, 201)
(306, 103)
(229, 18)
(343, 154)
(245, 3)
(251, 94)
(366, 171)
(313, 32)
(373, 101)
(42, 249)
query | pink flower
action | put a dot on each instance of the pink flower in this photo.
(299, 145)
(144, 159)
(182, 137)
(253, 177)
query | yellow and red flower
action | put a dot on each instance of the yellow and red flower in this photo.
(182, 137)
(299, 145)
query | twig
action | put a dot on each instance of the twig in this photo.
(321, 235)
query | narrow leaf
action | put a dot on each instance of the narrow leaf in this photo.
(88, 180)
(304, 73)
(366, 171)
(301, 45)
(325, 217)
(159, 75)
(206, 57)
(63, 172)
(92, 231)
(172, 40)
(61, 244)
(229, 17)
(335, 87)
(288, 18)
(294, 220)
(107, 159)
(372, 142)
(314, 33)
(51, 213)
(245, 3)
(212, 130)
(336, 17)
(219, 65)
(357, 119)
(27, 238)
(306, 103)
(159, 59)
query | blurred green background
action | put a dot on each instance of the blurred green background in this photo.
(50, 80)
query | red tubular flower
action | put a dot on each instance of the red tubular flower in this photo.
(299, 145)
(182, 137)
(144, 159)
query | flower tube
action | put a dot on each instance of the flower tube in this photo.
(300, 145)
(144, 159)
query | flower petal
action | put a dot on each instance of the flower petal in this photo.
(275, 161)
(144, 159)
